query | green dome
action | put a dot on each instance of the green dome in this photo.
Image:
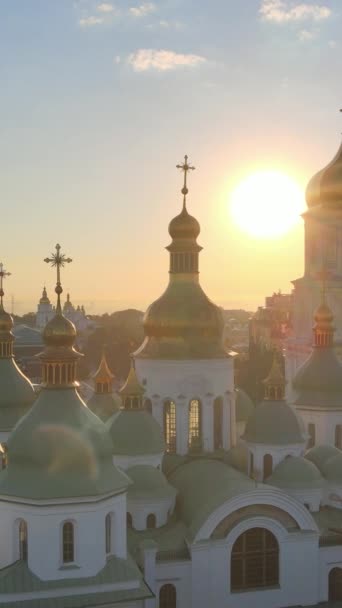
(237, 457)
(104, 404)
(319, 380)
(325, 187)
(244, 405)
(296, 472)
(332, 468)
(274, 423)
(135, 433)
(60, 449)
(149, 482)
(16, 395)
(320, 454)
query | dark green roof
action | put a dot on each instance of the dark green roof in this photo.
(170, 540)
(237, 457)
(134, 433)
(244, 405)
(203, 485)
(17, 578)
(104, 404)
(274, 423)
(60, 449)
(296, 473)
(27, 336)
(16, 394)
(149, 482)
(320, 454)
(332, 468)
(318, 381)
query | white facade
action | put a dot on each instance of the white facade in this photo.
(277, 452)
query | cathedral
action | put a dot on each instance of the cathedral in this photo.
(178, 492)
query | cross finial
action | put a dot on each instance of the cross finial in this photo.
(58, 260)
(185, 167)
(3, 275)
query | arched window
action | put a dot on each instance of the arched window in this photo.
(148, 406)
(312, 435)
(167, 596)
(129, 520)
(23, 540)
(151, 521)
(68, 542)
(218, 422)
(170, 426)
(254, 560)
(268, 465)
(335, 584)
(108, 532)
(195, 424)
(251, 465)
(338, 436)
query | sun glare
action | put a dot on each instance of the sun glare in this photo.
(267, 204)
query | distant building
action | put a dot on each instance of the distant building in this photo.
(45, 311)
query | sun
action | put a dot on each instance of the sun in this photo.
(267, 204)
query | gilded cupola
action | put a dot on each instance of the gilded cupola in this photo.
(325, 187)
(183, 323)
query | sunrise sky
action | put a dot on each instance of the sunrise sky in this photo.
(100, 100)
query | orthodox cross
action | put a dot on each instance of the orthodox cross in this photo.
(3, 275)
(58, 260)
(185, 167)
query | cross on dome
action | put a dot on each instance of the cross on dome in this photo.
(58, 260)
(3, 275)
(185, 167)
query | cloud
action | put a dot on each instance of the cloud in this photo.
(306, 35)
(90, 21)
(105, 7)
(283, 11)
(162, 60)
(142, 10)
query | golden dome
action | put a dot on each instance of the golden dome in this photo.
(325, 187)
(6, 321)
(59, 332)
(184, 226)
(323, 314)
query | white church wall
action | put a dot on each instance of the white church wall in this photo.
(329, 558)
(278, 453)
(140, 510)
(180, 574)
(44, 531)
(325, 422)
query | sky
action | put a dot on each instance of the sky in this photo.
(99, 102)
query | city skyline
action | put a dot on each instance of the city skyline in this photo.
(104, 99)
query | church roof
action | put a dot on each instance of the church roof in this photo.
(18, 579)
(134, 433)
(27, 336)
(318, 382)
(104, 404)
(296, 473)
(274, 423)
(16, 395)
(332, 468)
(320, 454)
(325, 187)
(149, 483)
(60, 450)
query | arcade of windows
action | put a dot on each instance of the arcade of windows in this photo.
(195, 424)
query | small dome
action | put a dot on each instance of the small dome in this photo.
(296, 472)
(244, 405)
(320, 454)
(319, 380)
(104, 404)
(323, 314)
(149, 482)
(332, 468)
(59, 332)
(274, 423)
(184, 226)
(44, 299)
(135, 433)
(325, 187)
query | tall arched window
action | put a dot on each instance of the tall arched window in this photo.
(218, 422)
(195, 423)
(68, 542)
(167, 596)
(254, 561)
(338, 436)
(151, 521)
(23, 540)
(268, 465)
(251, 465)
(312, 435)
(170, 426)
(108, 532)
